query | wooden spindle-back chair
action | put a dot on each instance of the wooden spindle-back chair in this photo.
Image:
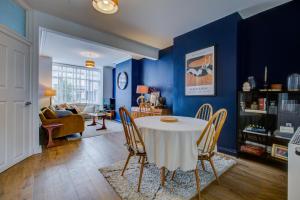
(209, 137)
(134, 141)
(205, 112)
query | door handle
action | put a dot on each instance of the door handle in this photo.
(28, 103)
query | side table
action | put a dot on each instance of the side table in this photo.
(49, 128)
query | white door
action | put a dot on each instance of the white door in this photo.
(15, 109)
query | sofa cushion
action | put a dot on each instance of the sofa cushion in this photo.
(49, 114)
(63, 113)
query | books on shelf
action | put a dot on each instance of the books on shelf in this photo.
(283, 135)
(255, 133)
(254, 128)
(270, 90)
(252, 149)
(255, 111)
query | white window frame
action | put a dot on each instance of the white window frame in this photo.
(77, 78)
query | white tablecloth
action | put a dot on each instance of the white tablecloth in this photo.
(171, 145)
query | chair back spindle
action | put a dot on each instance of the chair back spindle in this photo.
(205, 112)
(212, 131)
(134, 140)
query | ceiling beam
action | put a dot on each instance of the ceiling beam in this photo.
(133, 48)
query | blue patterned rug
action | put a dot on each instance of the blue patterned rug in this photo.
(182, 187)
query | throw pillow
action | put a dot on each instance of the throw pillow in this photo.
(63, 106)
(49, 114)
(73, 110)
(63, 113)
(58, 107)
(76, 108)
(52, 108)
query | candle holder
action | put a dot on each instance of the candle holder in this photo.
(266, 78)
(266, 85)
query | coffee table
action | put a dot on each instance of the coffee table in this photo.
(95, 116)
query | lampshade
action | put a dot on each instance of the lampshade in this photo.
(50, 92)
(90, 63)
(106, 6)
(142, 89)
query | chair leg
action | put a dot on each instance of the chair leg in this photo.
(214, 170)
(202, 164)
(173, 175)
(127, 161)
(198, 182)
(163, 176)
(141, 173)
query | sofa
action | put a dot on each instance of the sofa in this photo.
(73, 123)
(86, 108)
(81, 108)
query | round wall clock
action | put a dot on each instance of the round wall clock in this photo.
(122, 80)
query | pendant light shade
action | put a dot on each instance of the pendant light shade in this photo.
(106, 6)
(90, 63)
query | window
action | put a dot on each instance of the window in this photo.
(75, 84)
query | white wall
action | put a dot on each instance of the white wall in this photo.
(107, 82)
(45, 79)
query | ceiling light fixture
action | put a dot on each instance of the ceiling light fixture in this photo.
(106, 6)
(90, 63)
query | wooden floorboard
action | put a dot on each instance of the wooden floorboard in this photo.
(70, 171)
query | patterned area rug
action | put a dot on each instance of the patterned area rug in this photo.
(182, 187)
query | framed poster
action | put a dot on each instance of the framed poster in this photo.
(200, 73)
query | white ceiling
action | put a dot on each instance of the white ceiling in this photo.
(66, 49)
(151, 22)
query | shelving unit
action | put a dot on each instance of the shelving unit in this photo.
(257, 127)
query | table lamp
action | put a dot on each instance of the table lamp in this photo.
(141, 89)
(49, 92)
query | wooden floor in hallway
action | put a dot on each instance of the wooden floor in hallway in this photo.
(70, 172)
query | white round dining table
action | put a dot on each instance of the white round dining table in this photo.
(171, 145)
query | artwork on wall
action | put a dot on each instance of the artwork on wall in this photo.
(200, 71)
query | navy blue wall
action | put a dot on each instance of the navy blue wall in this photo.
(127, 97)
(159, 74)
(224, 35)
(271, 38)
(114, 83)
(136, 79)
(13, 16)
(243, 48)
